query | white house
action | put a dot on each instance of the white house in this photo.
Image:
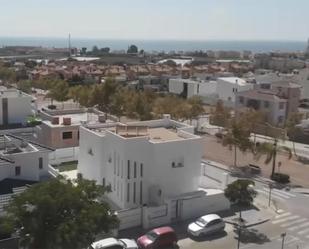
(21, 159)
(15, 107)
(207, 90)
(143, 162)
(227, 87)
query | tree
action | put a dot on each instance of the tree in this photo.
(118, 103)
(25, 86)
(271, 151)
(84, 50)
(105, 50)
(7, 74)
(95, 49)
(132, 49)
(81, 94)
(292, 129)
(196, 107)
(221, 116)
(60, 214)
(240, 192)
(252, 119)
(143, 108)
(237, 137)
(102, 94)
(59, 91)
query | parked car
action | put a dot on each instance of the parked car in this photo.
(206, 224)
(112, 243)
(158, 238)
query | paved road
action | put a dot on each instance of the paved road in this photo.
(291, 217)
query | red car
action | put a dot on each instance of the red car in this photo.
(158, 238)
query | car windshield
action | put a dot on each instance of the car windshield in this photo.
(201, 222)
(152, 236)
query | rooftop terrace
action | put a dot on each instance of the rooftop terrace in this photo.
(156, 130)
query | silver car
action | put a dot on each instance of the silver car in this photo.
(112, 243)
(206, 224)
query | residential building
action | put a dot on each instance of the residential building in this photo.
(143, 162)
(228, 87)
(15, 107)
(21, 159)
(191, 87)
(266, 101)
(291, 92)
(60, 128)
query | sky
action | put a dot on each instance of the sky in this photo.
(157, 19)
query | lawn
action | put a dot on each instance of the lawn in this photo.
(66, 166)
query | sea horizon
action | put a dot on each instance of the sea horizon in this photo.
(160, 44)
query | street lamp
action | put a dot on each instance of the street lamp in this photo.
(269, 196)
(241, 222)
(283, 237)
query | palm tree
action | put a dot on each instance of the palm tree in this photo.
(237, 137)
(271, 151)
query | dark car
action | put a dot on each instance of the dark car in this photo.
(158, 238)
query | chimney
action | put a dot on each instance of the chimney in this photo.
(66, 121)
(55, 121)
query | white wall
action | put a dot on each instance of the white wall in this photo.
(130, 218)
(195, 87)
(64, 155)
(19, 109)
(29, 163)
(196, 207)
(226, 90)
(156, 158)
(175, 86)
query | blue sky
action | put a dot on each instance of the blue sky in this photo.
(157, 19)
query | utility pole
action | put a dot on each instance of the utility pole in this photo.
(70, 50)
(283, 237)
(269, 196)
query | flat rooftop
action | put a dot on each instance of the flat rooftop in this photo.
(13, 93)
(76, 119)
(154, 134)
(234, 80)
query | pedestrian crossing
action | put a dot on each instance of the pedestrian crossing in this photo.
(295, 224)
(276, 193)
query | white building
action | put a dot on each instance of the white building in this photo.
(227, 87)
(15, 107)
(190, 87)
(21, 159)
(223, 88)
(143, 162)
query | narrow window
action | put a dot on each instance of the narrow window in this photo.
(103, 182)
(142, 170)
(17, 170)
(128, 169)
(40, 162)
(134, 169)
(122, 168)
(134, 192)
(128, 192)
(141, 193)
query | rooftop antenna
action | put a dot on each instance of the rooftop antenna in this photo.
(70, 45)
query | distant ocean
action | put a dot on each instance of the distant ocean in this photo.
(159, 45)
